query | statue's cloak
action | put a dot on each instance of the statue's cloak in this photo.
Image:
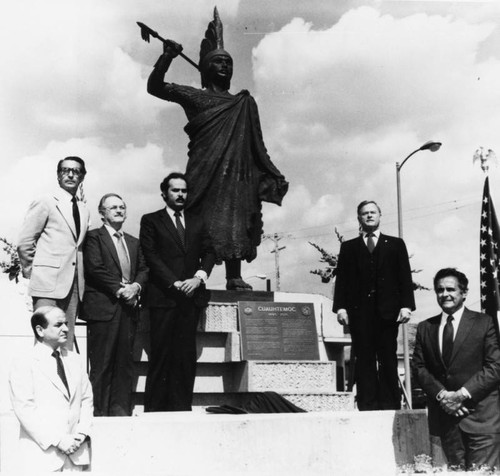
(229, 171)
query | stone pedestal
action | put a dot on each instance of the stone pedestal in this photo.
(223, 378)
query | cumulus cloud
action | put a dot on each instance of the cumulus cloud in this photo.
(340, 103)
(351, 100)
(133, 172)
(368, 70)
(73, 69)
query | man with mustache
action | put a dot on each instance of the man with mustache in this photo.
(229, 169)
(115, 274)
(180, 256)
(50, 244)
(457, 363)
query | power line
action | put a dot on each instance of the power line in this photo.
(387, 222)
(276, 238)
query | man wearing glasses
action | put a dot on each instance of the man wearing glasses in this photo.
(115, 274)
(50, 244)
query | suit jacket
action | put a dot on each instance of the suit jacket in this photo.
(103, 274)
(475, 365)
(45, 412)
(169, 261)
(48, 248)
(394, 286)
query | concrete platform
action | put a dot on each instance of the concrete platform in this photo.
(221, 373)
(322, 443)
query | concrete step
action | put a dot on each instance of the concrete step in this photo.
(210, 347)
(335, 401)
(321, 402)
(188, 443)
(218, 347)
(258, 376)
(287, 376)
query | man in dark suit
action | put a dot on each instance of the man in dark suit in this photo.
(115, 273)
(373, 295)
(457, 363)
(180, 256)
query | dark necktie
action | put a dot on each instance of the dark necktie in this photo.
(370, 242)
(180, 228)
(76, 216)
(123, 257)
(60, 369)
(448, 340)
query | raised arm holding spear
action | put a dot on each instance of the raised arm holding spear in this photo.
(147, 33)
(229, 172)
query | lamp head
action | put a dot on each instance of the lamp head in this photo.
(431, 145)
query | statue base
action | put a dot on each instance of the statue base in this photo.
(224, 378)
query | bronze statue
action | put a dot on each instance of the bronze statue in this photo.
(229, 170)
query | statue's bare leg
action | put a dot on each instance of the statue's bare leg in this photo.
(234, 282)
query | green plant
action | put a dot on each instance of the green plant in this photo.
(330, 271)
(11, 266)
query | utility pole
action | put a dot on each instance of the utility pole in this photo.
(276, 237)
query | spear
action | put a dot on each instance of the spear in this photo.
(147, 32)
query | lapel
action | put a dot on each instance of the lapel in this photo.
(171, 228)
(132, 252)
(65, 208)
(464, 328)
(84, 218)
(433, 329)
(381, 247)
(189, 220)
(362, 251)
(47, 365)
(108, 243)
(72, 374)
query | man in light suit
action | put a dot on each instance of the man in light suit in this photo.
(50, 244)
(180, 256)
(457, 363)
(115, 274)
(52, 399)
(373, 295)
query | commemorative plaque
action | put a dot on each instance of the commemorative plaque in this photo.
(278, 331)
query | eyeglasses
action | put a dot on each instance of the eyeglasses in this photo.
(68, 170)
(116, 207)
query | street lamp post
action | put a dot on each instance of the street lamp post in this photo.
(268, 281)
(433, 147)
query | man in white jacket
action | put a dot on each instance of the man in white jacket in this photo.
(50, 244)
(52, 398)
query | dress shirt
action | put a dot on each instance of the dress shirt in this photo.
(200, 274)
(457, 316)
(112, 232)
(171, 214)
(65, 195)
(376, 236)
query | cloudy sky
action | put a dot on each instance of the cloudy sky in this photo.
(345, 90)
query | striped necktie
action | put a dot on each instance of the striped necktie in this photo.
(180, 228)
(123, 257)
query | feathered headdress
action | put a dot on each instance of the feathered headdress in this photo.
(213, 43)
